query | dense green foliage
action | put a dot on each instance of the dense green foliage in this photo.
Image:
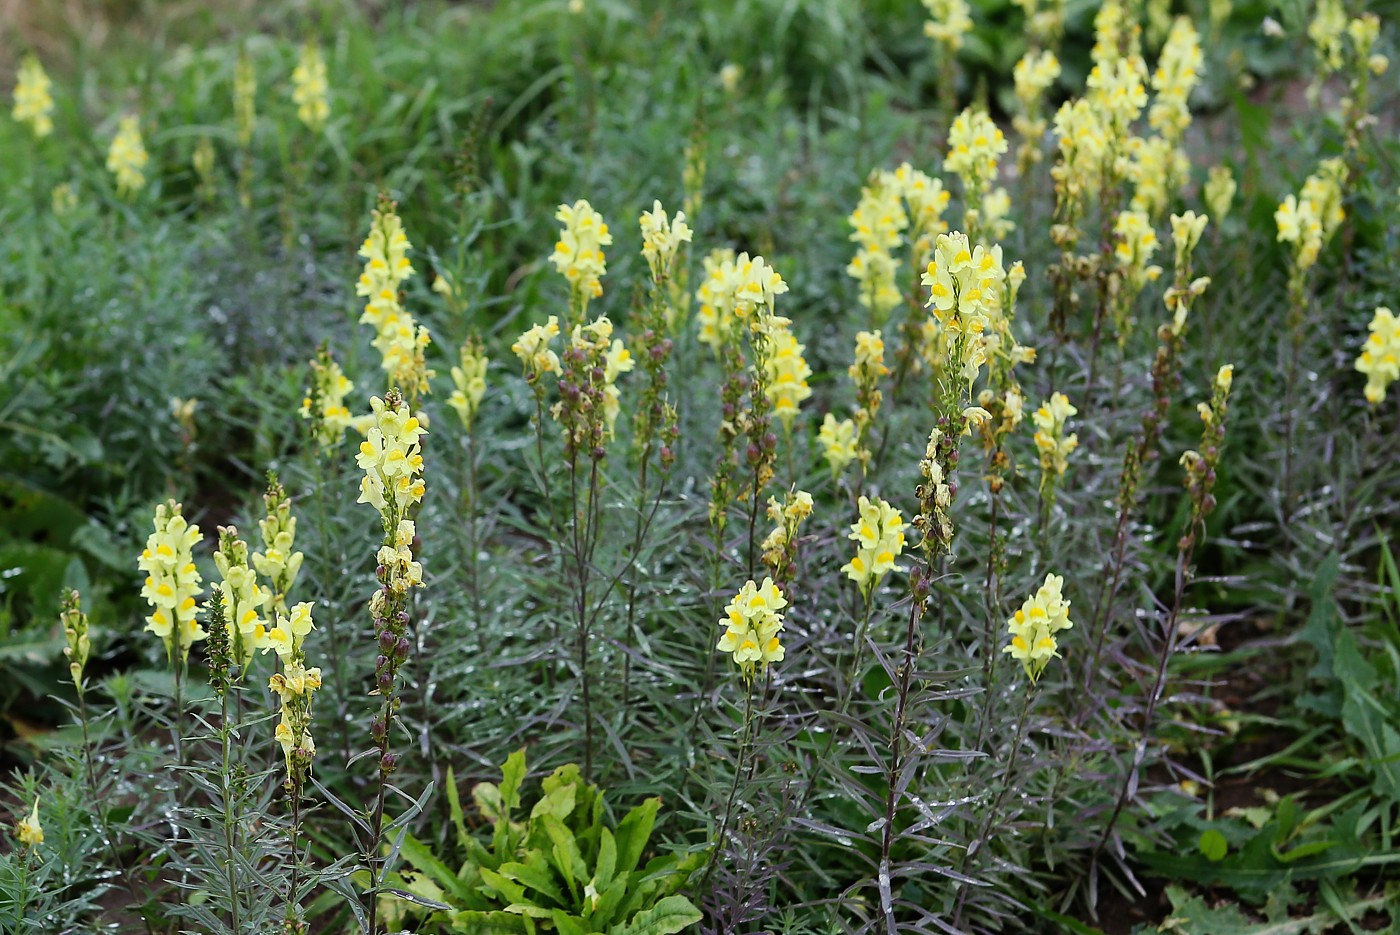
(1263, 792)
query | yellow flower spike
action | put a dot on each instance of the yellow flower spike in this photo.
(879, 534)
(172, 581)
(1033, 627)
(33, 102)
(752, 624)
(578, 254)
(311, 88)
(1380, 355)
(127, 158)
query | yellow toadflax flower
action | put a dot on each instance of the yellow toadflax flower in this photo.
(1309, 220)
(787, 373)
(1380, 355)
(1051, 441)
(469, 381)
(974, 145)
(172, 581)
(949, 21)
(310, 88)
(878, 221)
(780, 545)
(578, 254)
(127, 157)
(880, 534)
(390, 458)
(966, 290)
(1135, 247)
(1034, 626)
(324, 402)
(278, 561)
(294, 687)
(838, 441)
(532, 347)
(662, 239)
(1219, 192)
(752, 622)
(1178, 72)
(28, 829)
(400, 340)
(927, 199)
(33, 102)
(715, 295)
(244, 599)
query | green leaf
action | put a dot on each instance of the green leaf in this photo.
(669, 916)
(559, 803)
(422, 859)
(607, 861)
(535, 874)
(510, 891)
(496, 922)
(566, 924)
(567, 858)
(633, 833)
(454, 808)
(1213, 845)
(512, 777)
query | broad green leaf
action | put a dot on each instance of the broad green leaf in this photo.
(566, 924)
(511, 892)
(567, 858)
(487, 796)
(607, 861)
(422, 859)
(473, 922)
(512, 776)
(559, 803)
(536, 875)
(671, 915)
(633, 833)
(605, 911)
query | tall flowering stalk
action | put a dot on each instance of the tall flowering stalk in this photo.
(392, 461)
(294, 687)
(1032, 628)
(966, 285)
(469, 388)
(242, 602)
(655, 424)
(1142, 450)
(1032, 77)
(77, 649)
(278, 561)
(1200, 477)
(949, 21)
(753, 626)
(866, 371)
(224, 672)
(587, 410)
(1306, 222)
